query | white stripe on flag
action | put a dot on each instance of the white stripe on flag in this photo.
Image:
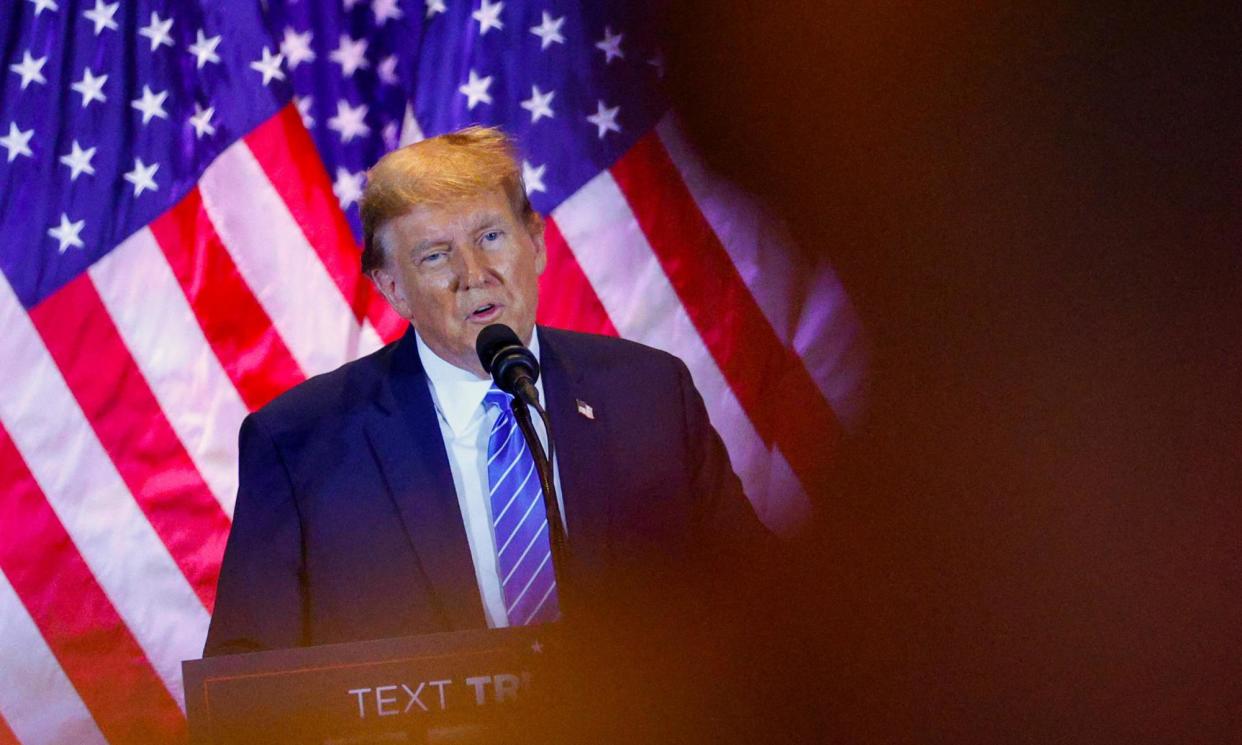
(280, 266)
(782, 515)
(829, 338)
(610, 246)
(169, 347)
(410, 131)
(808, 309)
(119, 546)
(37, 699)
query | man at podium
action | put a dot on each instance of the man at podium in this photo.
(395, 496)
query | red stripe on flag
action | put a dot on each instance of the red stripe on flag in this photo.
(89, 639)
(6, 735)
(769, 379)
(236, 326)
(566, 298)
(288, 156)
(132, 428)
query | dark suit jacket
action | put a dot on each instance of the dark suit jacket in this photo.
(347, 524)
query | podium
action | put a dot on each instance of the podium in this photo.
(460, 687)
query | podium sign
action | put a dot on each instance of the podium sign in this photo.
(454, 687)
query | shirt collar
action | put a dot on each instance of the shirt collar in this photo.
(457, 393)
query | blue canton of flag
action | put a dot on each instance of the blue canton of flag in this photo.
(111, 112)
(576, 84)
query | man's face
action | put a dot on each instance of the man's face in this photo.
(453, 269)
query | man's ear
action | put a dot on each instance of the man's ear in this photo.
(535, 227)
(386, 282)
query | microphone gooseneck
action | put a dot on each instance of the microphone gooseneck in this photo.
(514, 369)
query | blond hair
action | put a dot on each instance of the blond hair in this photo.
(438, 170)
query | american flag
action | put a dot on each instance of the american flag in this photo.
(180, 244)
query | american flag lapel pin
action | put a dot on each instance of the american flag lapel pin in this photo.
(585, 409)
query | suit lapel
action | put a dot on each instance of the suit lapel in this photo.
(581, 452)
(405, 436)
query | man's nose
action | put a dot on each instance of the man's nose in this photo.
(471, 267)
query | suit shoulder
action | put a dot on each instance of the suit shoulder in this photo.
(327, 395)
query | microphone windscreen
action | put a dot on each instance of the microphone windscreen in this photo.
(491, 340)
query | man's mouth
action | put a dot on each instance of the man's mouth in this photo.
(485, 312)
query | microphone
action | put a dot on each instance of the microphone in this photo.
(511, 364)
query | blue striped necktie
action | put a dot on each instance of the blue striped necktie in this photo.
(519, 521)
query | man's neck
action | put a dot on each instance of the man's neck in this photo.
(457, 392)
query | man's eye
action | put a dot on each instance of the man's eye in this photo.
(433, 257)
(491, 236)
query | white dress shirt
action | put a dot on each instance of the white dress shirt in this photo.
(466, 427)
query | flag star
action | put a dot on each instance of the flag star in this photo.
(143, 176)
(42, 5)
(387, 70)
(605, 119)
(269, 66)
(90, 87)
(385, 11)
(658, 63)
(297, 48)
(539, 104)
(532, 176)
(79, 161)
(347, 187)
(350, 54)
(102, 15)
(204, 50)
(17, 142)
(610, 45)
(151, 104)
(488, 16)
(30, 69)
(68, 233)
(349, 121)
(201, 121)
(304, 110)
(157, 31)
(476, 90)
(549, 32)
(435, 6)
(389, 134)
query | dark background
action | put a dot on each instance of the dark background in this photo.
(1036, 535)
